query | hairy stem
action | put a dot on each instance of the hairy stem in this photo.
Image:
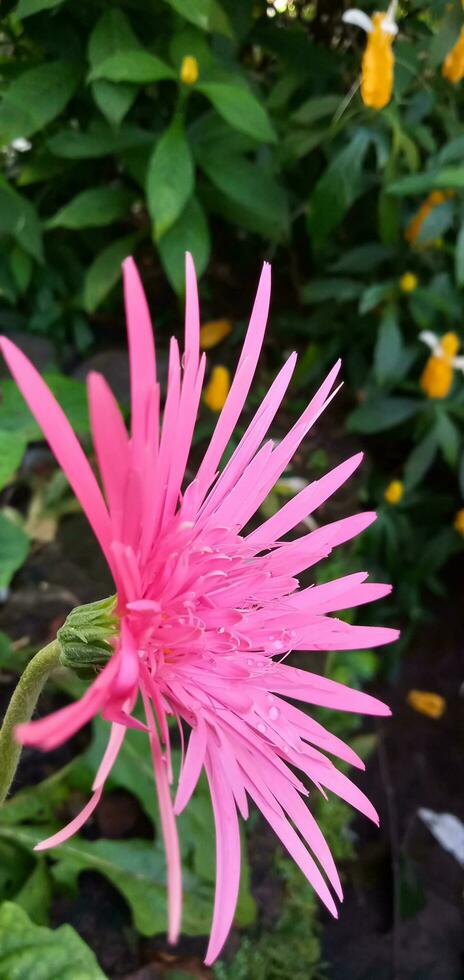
(21, 709)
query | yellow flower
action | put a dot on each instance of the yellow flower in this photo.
(189, 70)
(394, 492)
(453, 65)
(437, 377)
(427, 703)
(213, 332)
(378, 59)
(434, 200)
(458, 522)
(217, 388)
(408, 282)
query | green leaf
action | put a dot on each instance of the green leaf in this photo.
(15, 417)
(315, 109)
(420, 460)
(207, 14)
(21, 267)
(112, 33)
(448, 438)
(28, 950)
(36, 894)
(26, 8)
(35, 98)
(105, 272)
(99, 142)
(450, 178)
(363, 258)
(14, 546)
(132, 66)
(437, 222)
(381, 413)
(12, 448)
(459, 257)
(374, 295)
(170, 177)
(190, 233)
(338, 290)
(338, 188)
(19, 218)
(249, 195)
(93, 208)
(388, 348)
(240, 108)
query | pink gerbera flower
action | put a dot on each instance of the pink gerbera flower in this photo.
(208, 611)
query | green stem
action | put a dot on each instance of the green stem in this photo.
(21, 709)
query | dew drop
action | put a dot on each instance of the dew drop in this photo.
(261, 727)
(274, 713)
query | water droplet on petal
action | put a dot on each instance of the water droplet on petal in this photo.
(261, 727)
(274, 713)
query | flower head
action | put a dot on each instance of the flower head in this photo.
(208, 609)
(453, 65)
(437, 377)
(408, 282)
(394, 492)
(218, 388)
(427, 703)
(378, 59)
(458, 522)
(189, 70)
(213, 332)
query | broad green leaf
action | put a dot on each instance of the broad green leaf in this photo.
(19, 218)
(420, 460)
(112, 33)
(381, 413)
(35, 98)
(15, 417)
(98, 142)
(93, 208)
(132, 66)
(437, 222)
(240, 108)
(338, 188)
(26, 8)
(14, 546)
(36, 894)
(316, 108)
(190, 233)
(170, 177)
(388, 348)
(459, 257)
(374, 295)
(363, 258)
(21, 266)
(105, 271)
(448, 438)
(450, 178)
(257, 200)
(207, 14)
(338, 290)
(12, 448)
(29, 951)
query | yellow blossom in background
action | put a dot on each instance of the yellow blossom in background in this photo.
(394, 492)
(434, 200)
(217, 388)
(453, 65)
(189, 70)
(213, 332)
(438, 375)
(408, 282)
(427, 703)
(378, 59)
(458, 522)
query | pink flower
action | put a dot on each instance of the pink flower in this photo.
(210, 611)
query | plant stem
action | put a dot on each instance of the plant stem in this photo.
(21, 709)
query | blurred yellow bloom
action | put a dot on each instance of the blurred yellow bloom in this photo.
(394, 492)
(189, 70)
(408, 282)
(378, 60)
(458, 522)
(217, 388)
(453, 65)
(427, 703)
(434, 200)
(213, 332)
(437, 377)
